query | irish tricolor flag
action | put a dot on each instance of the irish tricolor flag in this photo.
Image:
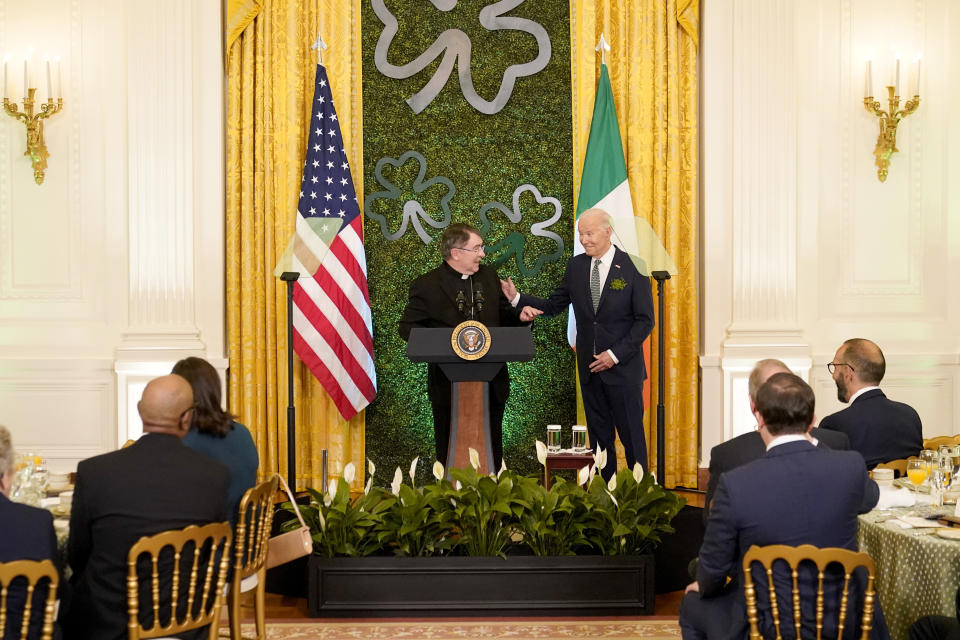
(604, 185)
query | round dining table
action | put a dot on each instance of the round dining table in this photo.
(918, 570)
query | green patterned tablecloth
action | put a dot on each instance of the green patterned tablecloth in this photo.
(917, 570)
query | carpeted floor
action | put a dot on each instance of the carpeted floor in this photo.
(666, 629)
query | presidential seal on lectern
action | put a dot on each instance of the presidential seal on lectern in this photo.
(470, 340)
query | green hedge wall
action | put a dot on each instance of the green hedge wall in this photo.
(485, 158)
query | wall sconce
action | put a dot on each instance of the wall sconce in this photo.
(887, 140)
(32, 119)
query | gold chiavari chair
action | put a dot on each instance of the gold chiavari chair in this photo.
(821, 558)
(197, 556)
(31, 574)
(899, 467)
(933, 443)
(254, 522)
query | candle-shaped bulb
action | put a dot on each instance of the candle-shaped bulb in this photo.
(916, 79)
(868, 80)
(6, 60)
(49, 83)
(897, 79)
(59, 79)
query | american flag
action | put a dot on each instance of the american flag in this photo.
(332, 329)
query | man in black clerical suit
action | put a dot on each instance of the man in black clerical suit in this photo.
(26, 533)
(794, 494)
(156, 484)
(460, 289)
(879, 428)
(749, 446)
(613, 309)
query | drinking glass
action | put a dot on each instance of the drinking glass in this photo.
(579, 438)
(553, 438)
(917, 471)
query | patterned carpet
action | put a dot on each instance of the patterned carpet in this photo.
(665, 629)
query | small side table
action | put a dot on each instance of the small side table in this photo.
(557, 461)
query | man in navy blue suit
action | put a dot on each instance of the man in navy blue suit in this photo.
(750, 446)
(613, 308)
(795, 494)
(879, 428)
(27, 535)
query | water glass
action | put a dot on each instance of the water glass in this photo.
(579, 438)
(553, 438)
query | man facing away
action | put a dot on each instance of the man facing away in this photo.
(794, 494)
(26, 533)
(750, 446)
(156, 484)
(879, 428)
(613, 309)
(460, 289)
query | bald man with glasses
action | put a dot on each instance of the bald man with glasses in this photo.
(879, 428)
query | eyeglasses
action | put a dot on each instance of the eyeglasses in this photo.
(188, 410)
(832, 366)
(477, 250)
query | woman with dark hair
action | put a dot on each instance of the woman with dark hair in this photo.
(215, 433)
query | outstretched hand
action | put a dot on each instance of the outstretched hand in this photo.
(527, 314)
(508, 288)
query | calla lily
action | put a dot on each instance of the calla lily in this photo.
(323, 521)
(349, 473)
(332, 488)
(366, 489)
(397, 481)
(614, 499)
(503, 467)
(457, 485)
(413, 468)
(601, 458)
(327, 499)
(542, 453)
(612, 485)
(474, 458)
(438, 470)
(637, 472)
(371, 468)
(583, 475)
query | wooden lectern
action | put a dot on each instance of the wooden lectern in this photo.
(470, 419)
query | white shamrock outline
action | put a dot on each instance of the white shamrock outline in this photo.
(455, 46)
(412, 209)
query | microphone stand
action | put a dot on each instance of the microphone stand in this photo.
(660, 277)
(290, 277)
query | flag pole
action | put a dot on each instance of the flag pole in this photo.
(660, 277)
(290, 277)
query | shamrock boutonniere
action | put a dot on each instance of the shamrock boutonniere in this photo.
(619, 284)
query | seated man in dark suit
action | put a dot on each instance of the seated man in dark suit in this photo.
(156, 484)
(749, 446)
(794, 494)
(27, 534)
(937, 627)
(880, 429)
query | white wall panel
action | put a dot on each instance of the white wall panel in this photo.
(869, 259)
(99, 277)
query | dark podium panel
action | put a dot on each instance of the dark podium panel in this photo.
(470, 419)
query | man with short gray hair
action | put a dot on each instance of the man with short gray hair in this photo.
(613, 310)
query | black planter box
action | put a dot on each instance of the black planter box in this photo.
(383, 587)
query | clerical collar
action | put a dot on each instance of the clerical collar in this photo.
(463, 276)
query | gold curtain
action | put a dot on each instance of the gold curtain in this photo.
(270, 82)
(653, 72)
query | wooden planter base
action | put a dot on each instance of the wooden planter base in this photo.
(460, 586)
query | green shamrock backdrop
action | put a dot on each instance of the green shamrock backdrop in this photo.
(452, 163)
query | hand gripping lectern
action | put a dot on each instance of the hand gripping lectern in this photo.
(470, 355)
